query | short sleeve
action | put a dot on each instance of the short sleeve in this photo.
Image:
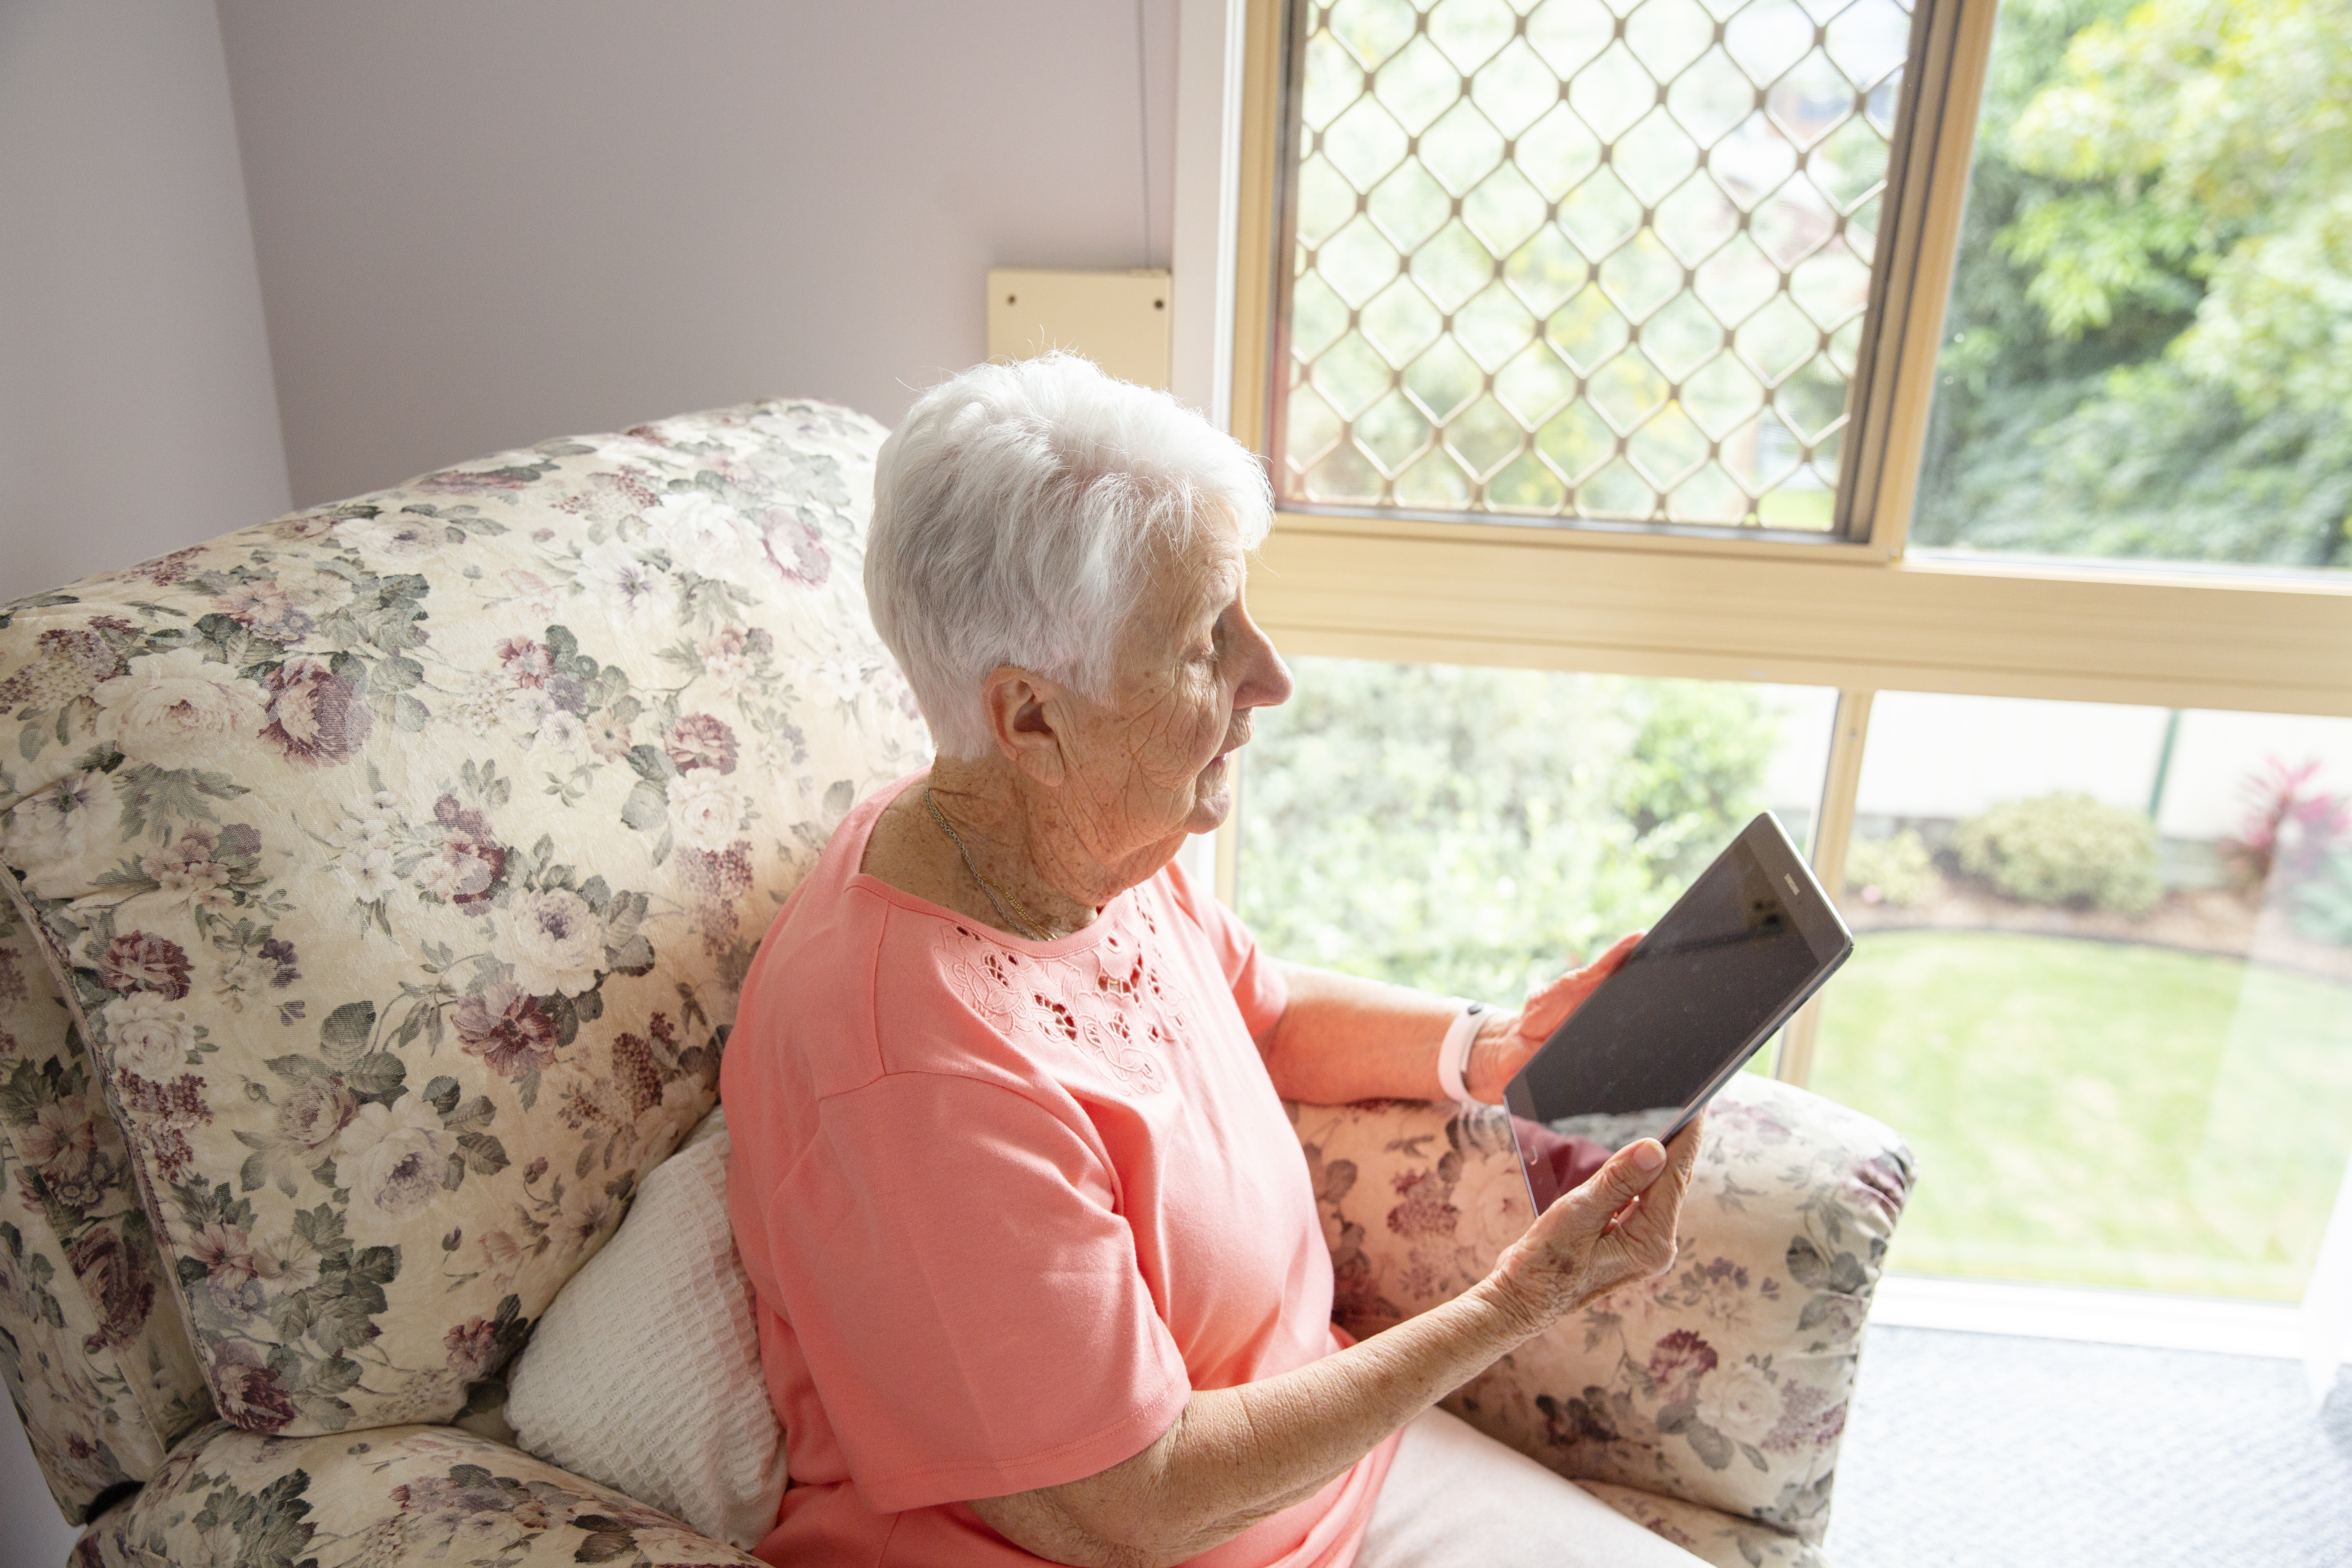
(1259, 989)
(970, 1305)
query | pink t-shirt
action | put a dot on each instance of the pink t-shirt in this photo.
(1007, 1203)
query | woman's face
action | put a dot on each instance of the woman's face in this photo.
(1154, 762)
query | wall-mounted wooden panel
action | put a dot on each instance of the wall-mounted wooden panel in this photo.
(1118, 319)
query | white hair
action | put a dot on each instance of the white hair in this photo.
(1012, 511)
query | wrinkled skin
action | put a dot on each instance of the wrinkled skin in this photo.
(1086, 797)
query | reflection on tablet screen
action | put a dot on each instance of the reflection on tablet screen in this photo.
(1561, 1156)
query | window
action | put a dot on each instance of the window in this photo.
(1923, 524)
(2144, 352)
(1494, 821)
(2103, 982)
(1562, 263)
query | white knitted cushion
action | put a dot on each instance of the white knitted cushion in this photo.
(645, 1374)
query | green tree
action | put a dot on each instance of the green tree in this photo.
(2148, 332)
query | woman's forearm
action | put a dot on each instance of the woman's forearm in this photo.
(1343, 1039)
(1238, 1455)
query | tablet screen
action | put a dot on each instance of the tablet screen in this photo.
(1692, 999)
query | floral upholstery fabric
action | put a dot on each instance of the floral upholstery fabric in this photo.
(400, 860)
(371, 1499)
(1722, 1384)
(91, 1346)
(1704, 1533)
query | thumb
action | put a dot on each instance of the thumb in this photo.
(1626, 1176)
(1550, 1008)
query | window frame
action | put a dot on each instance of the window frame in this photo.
(1854, 612)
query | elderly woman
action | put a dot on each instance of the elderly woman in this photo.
(1039, 1272)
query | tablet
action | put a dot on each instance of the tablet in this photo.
(1739, 952)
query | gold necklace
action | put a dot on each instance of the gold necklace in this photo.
(1017, 913)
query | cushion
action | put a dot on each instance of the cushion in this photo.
(401, 859)
(91, 1347)
(644, 1373)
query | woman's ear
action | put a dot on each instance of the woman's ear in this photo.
(1020, 709)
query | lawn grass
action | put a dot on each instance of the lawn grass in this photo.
(2098, 1113)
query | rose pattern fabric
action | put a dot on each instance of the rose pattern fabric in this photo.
(1704, 1533)
(401, 858)
(93, 1351)
(404, 1494)
(1721, 1384)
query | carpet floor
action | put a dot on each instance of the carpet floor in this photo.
(1983, 1451)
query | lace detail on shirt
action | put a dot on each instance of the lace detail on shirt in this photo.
(1111, 1000)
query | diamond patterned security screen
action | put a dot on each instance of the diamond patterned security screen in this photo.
(1583, 260)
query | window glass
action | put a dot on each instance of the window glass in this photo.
(2146, 352)
(2103, 983)
(1472, 831)
(1583, 260)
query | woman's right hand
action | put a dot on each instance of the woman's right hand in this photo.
(1615, 1229)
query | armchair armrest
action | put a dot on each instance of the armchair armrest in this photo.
(377, 1499)
(1722, 1383)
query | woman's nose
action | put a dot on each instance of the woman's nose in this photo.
(1268, 683)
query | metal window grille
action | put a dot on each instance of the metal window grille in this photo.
(1603, 260)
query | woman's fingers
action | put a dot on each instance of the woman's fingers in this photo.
(1606, 964)
(1549, 1008)
(1648, 1230)
(1627, 1216)
(1583, 1216)
(1619, 1227)
(1521, 1034)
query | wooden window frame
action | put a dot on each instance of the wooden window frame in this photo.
(1853, 612)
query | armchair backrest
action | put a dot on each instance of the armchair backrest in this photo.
(400, 860)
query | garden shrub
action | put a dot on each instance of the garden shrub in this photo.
(2063, 848)
(1898, 868)
(1472, 830)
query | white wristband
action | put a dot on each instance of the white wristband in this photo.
(1454, 1056)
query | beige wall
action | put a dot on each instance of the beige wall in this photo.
(483, 225)
(136, 410)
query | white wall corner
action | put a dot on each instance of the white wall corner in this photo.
(1210, 41)
(138, 409)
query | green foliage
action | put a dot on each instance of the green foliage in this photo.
(2149, 332)
(2211, 137)
(1474, 830)
(1898, 866)
(2063, 848)
(1689, 778)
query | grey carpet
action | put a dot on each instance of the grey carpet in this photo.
(1983, 1451)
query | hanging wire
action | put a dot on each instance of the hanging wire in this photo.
(1143, 130)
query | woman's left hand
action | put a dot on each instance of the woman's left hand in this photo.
(1507, 1040)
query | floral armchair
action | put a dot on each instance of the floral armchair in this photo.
(379, 883)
